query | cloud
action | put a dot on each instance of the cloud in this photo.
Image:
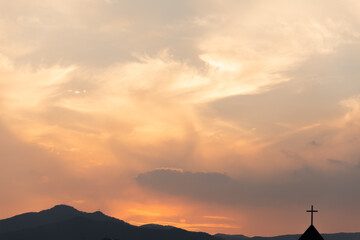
(288, 189)
(181, 78)
(103, 92)
(34, 178)
(314, 143)
(335, 161)
(223, 62)
(214, 186)
(317, 87)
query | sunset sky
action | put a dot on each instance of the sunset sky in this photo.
(229, 116)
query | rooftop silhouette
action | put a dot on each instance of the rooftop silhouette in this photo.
(311, 233)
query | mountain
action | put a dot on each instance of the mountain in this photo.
(54, 215)
(157, 226)
(66, 223)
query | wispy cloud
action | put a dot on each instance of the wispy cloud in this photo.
(92, 93)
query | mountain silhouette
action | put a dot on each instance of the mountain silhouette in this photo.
(156, 226)
(54, 215)
(66, 223)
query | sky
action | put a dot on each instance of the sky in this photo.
(231, 116)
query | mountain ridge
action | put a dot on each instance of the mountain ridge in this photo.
(55, 214)
(63, 222)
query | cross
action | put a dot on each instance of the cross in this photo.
(312, 213)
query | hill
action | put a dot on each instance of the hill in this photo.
(67, 223)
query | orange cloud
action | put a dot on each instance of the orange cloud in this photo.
(91, 99)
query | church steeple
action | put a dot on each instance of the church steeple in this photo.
(311, 233)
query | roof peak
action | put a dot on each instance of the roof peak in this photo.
(311, 234)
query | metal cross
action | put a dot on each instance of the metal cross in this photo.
(312, 213)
